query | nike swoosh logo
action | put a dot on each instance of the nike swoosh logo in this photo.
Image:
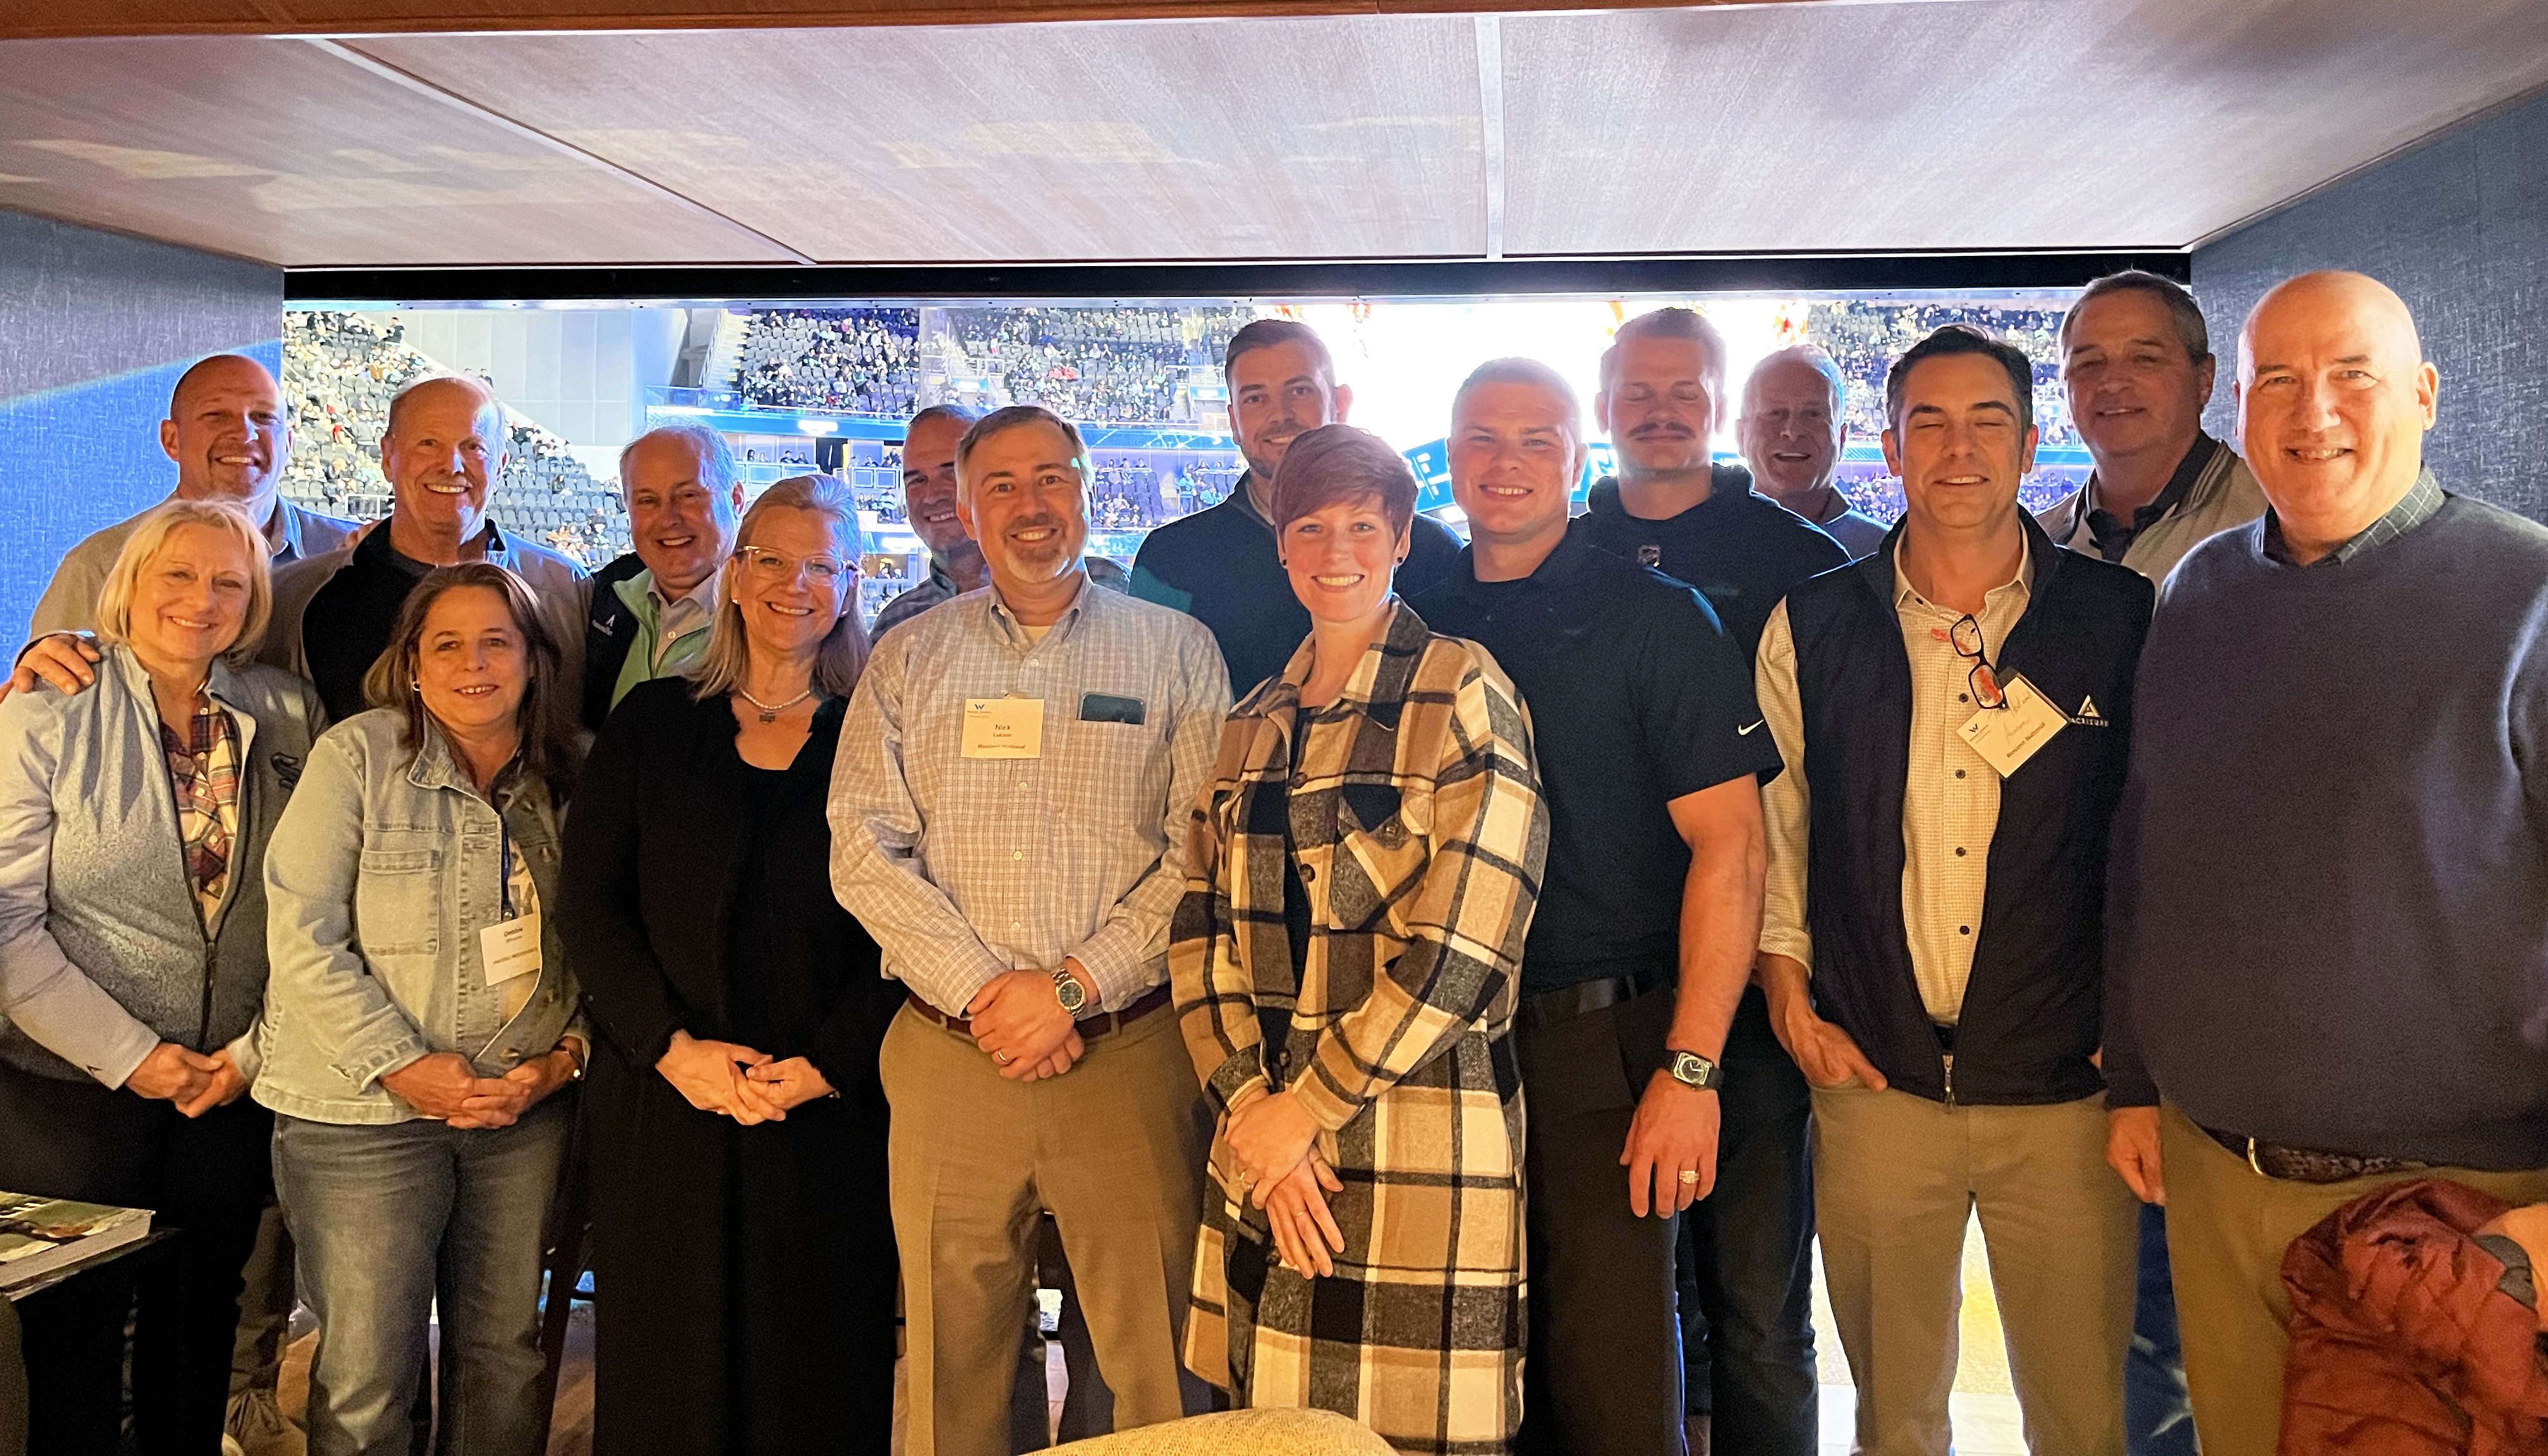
(1747, 732)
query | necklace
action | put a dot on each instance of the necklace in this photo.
(770, 711)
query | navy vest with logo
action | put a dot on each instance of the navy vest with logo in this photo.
(2030, 1018)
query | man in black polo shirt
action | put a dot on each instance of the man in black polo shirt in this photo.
(1670, 506)
(1748, 1269)
(1650, 755)
(1219, 565)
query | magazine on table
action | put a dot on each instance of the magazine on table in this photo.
(39, 1236)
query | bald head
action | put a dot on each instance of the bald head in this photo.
(2334, 397)
(227, 432)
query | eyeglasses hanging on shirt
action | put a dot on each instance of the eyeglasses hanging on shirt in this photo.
(1966, 638)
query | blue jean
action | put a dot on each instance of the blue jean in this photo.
(2158, 1415)
(392, 1220)
(1747, 1256)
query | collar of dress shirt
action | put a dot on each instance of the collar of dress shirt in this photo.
(2417, 507)
(1005, 622)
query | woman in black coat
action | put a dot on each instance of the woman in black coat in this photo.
(744, 1257)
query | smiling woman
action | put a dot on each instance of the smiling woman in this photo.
(130, 977)
(417, 1060)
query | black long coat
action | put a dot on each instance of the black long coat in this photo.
(744, 1277)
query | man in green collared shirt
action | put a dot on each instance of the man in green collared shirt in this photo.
(651, 609)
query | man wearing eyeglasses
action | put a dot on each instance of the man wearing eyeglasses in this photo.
(1931, 935)
(1017, 773)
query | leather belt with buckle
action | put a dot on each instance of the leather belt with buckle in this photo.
(1581, 999)
(1104, 1022)
(2305, 1166)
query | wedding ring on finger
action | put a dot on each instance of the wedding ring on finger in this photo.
(1689, 1175)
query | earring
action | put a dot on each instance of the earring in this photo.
(414, 686)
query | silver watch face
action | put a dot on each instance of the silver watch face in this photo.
(1690, 1067)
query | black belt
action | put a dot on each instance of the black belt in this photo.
(2306, 1165)
(1583, 998)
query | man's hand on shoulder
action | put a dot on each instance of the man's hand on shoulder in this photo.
(64, 659)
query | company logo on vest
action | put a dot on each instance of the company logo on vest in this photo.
(2088, 716)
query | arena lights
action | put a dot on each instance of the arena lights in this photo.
(818, 426)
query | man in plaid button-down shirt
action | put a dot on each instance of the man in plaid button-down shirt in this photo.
(1015, 773)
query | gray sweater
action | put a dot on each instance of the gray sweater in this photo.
(102, 954)
(2329, 923)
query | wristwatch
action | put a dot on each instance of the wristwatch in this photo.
(1693, 1070)
(1067, 991)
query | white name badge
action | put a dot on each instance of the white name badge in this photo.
(2007, 737)
(1003, 728)
(510, 948)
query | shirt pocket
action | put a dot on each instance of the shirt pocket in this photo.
(398, 900)
(1382, 852)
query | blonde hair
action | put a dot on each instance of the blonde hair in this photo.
(726, 664)
(150, 536)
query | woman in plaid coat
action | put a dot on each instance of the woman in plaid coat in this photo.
(1364, 868)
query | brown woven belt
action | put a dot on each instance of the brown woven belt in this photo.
(1103, 1023)
(2303, 1166)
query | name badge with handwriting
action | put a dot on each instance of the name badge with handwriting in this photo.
(1003, 728)
(510, 948)
(2007, 737)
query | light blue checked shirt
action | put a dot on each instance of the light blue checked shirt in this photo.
(967, 869)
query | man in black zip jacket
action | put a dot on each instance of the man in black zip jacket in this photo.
(1953, 711)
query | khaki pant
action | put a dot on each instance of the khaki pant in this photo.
(2227, 1226)
(1113, 1148)
(1896, 1178)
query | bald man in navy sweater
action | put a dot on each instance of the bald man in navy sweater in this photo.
(2327, 964)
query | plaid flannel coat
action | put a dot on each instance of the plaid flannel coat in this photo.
(1421, 835)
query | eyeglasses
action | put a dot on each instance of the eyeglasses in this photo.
(1983, 680)
(819, 569)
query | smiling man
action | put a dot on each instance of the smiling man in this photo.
(1792, 430)
(229, 436)
(443, 451)
(1670, 506)
(652, 608)
(2137, 363)
(1219, 565)
(2332, 874)
(1931, 937)
(1650, 757)
(1009, 813)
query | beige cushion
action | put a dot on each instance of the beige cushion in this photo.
(1239, 1433)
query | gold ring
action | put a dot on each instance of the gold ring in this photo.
(1002, 1058)
(1689, 1175)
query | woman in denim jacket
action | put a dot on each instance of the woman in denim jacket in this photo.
(133, 823)
(418, 1019)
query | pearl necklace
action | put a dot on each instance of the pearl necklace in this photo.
(770, 711)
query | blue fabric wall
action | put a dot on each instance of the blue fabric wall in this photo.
(94, 329)
(2459, 227)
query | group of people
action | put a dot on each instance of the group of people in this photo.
(861, 360)
(1448, 984)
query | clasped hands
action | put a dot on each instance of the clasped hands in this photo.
(193, 1081)
(733, 1080)
(1273, 1150)
(445, 1087)
(1018, 1023)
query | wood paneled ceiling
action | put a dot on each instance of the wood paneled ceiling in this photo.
(1956, 124)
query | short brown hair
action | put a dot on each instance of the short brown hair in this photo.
(1686, 325)
(2182, 311)
(151, 533)
(1338, 464)
(1948, 340)
(1267, 333)
(547, 741)
(1009, 418)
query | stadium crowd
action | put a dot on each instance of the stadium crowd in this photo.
(864, 361)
